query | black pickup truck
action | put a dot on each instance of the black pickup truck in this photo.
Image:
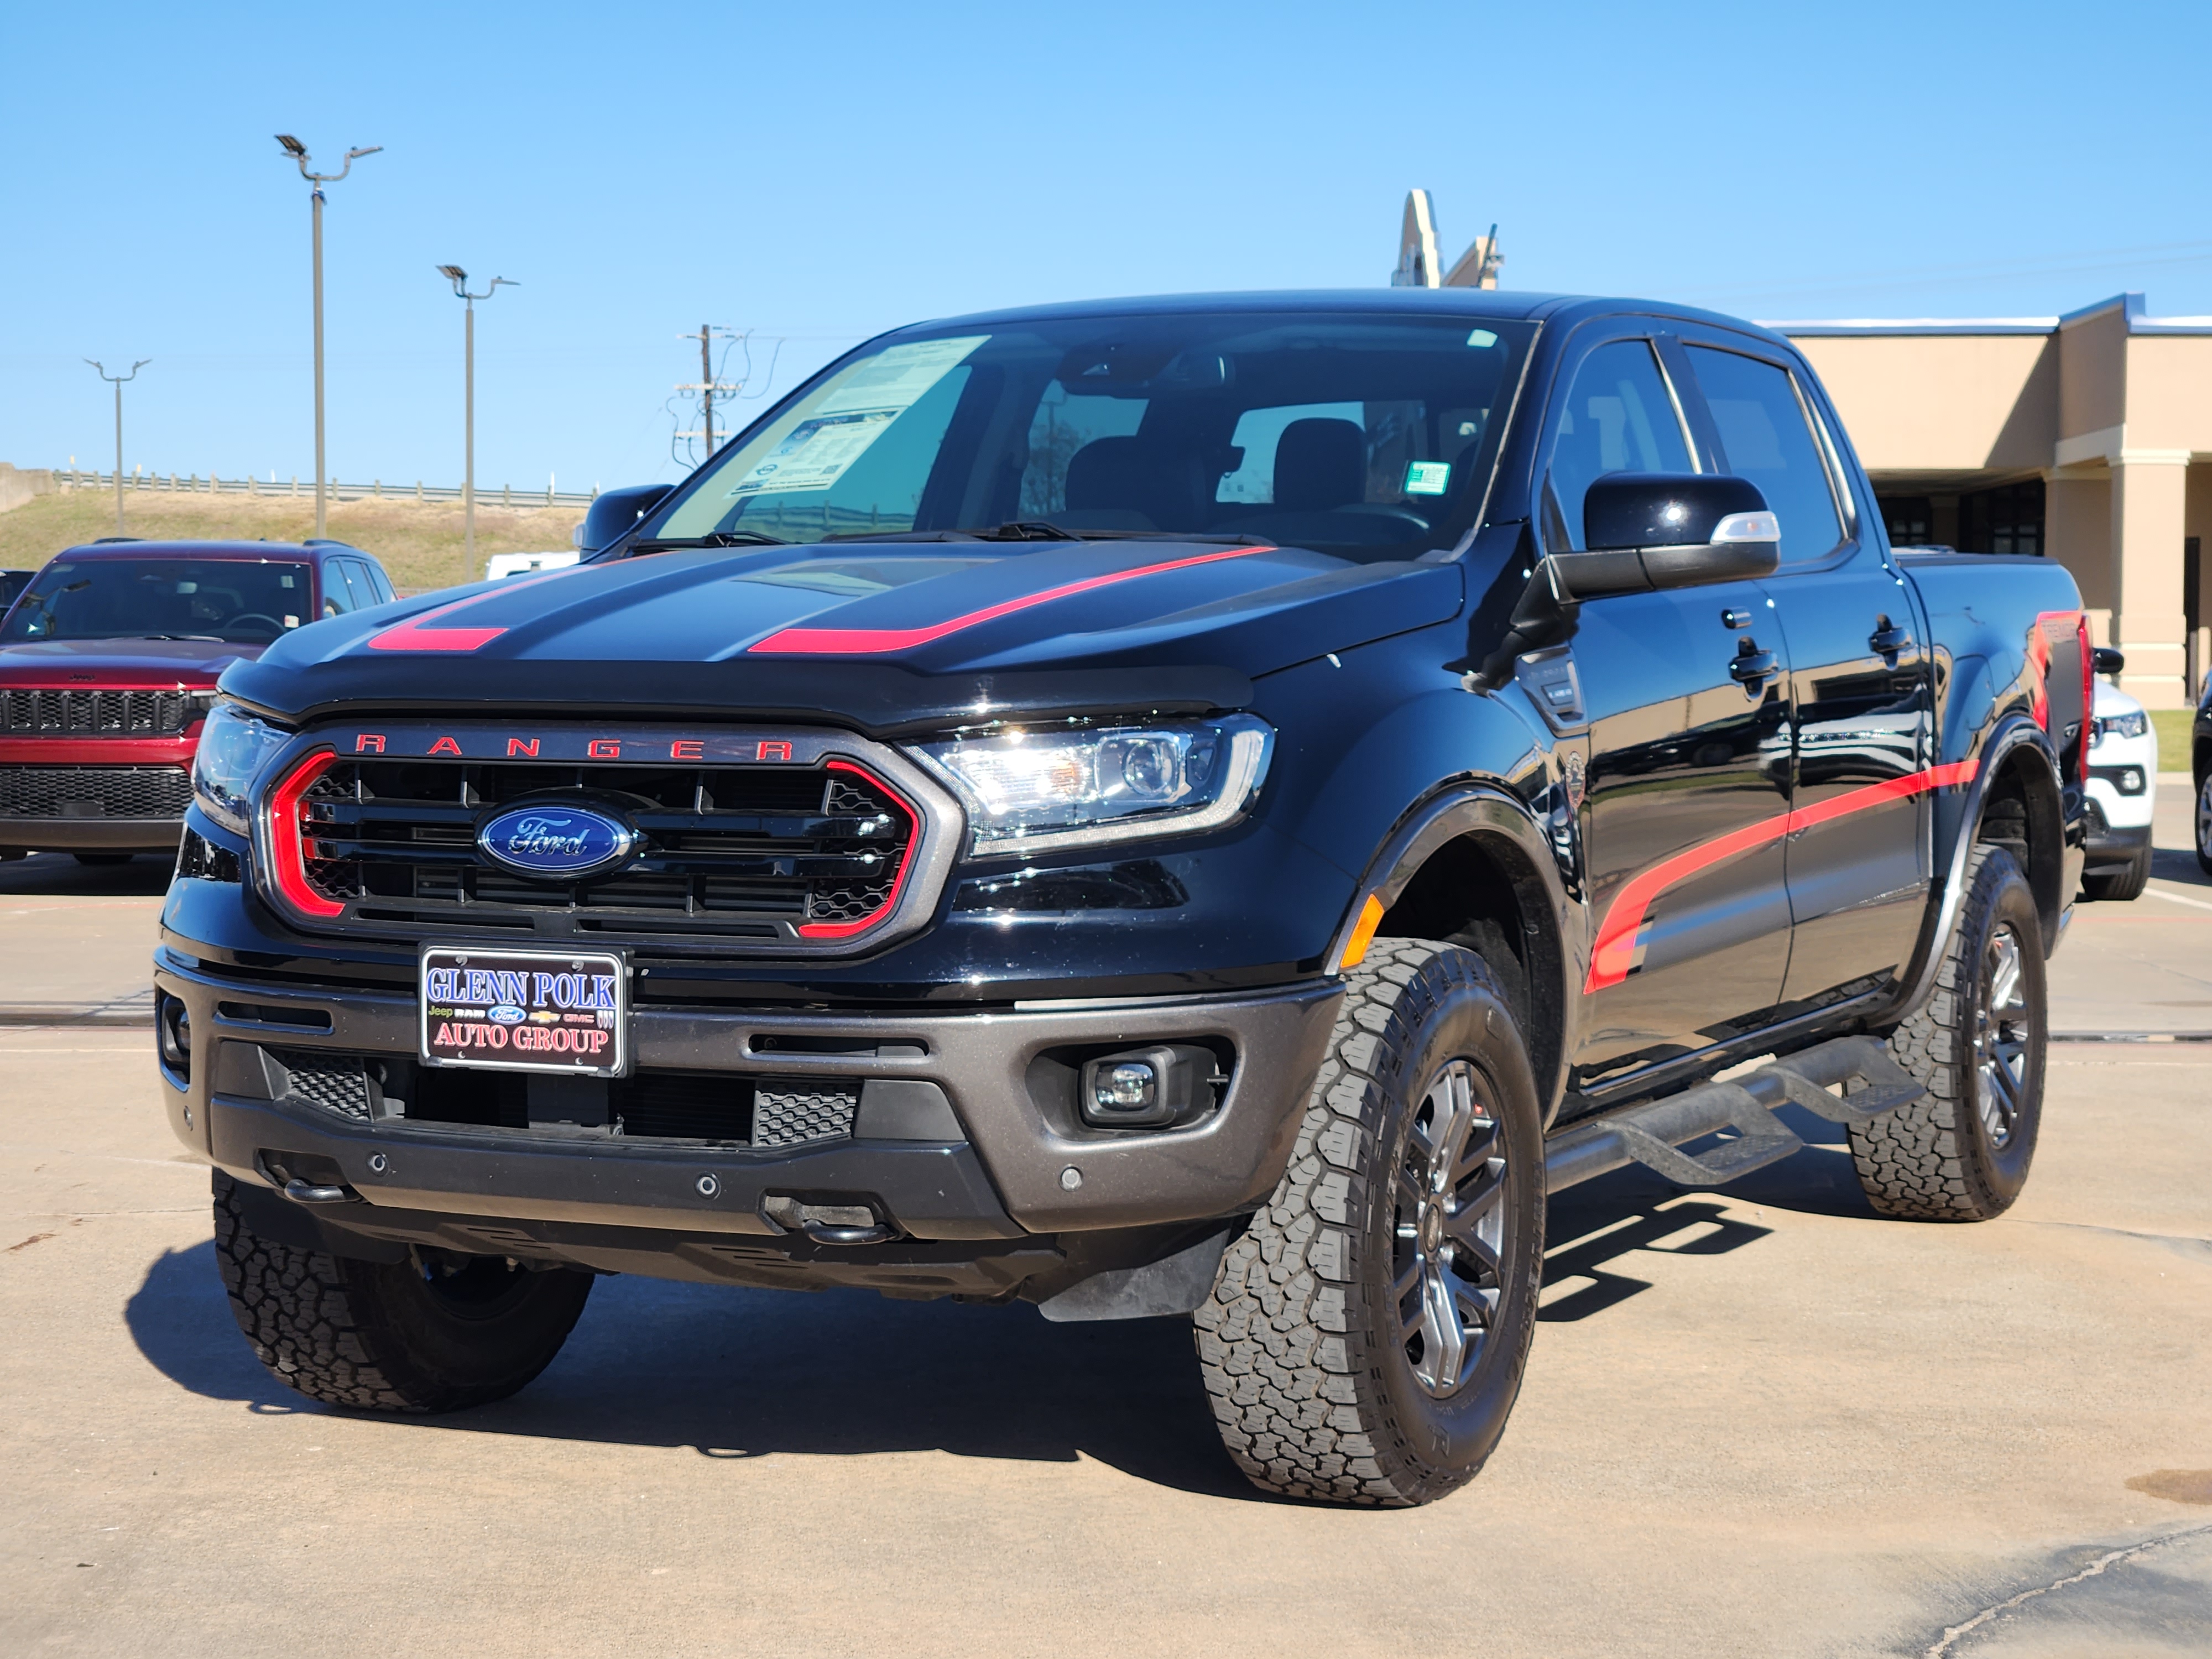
(1202, 807)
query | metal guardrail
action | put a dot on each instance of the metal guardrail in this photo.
(376, 489)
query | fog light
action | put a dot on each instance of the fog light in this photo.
(173, 1026)
(1131, 1085)
(1149, 1088)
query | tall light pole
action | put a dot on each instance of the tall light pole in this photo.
(460, 279)
(298, 152)
(119, 381)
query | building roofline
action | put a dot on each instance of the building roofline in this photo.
(2130, 306)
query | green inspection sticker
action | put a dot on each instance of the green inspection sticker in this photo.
(1427, 477)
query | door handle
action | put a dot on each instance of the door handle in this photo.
(1888, 639)
(1751, 666)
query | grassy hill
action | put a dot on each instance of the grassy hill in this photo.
(419, 542)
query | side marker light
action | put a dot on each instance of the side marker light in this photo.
(1362, 935)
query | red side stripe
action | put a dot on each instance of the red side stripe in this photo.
(864, 642)
(1616, 936)
(416, 634)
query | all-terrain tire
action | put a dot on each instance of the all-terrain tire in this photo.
(1941, 1158)
(2113, 886)
(1316, 1383)
(387, 1337)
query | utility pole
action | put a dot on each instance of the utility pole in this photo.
(119, 381)
(460, 279)
(298, 152)
(708, 386)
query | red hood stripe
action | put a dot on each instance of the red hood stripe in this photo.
(416, 634)
(1615, 953)
(864, 642)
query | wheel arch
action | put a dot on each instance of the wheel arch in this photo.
(2016, 800)
(1471, 866)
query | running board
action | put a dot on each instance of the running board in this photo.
(1652, 1134)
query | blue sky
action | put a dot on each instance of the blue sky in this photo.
(821, 172)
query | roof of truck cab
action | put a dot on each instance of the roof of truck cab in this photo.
(1508, 305)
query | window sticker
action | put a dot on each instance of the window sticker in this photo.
(1427, 477)
(821, 447)
(1482, 336)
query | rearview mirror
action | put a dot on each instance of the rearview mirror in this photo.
(1652, 530)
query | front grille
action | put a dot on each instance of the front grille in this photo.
(94, 791)
(96, 714)
(739, 851)
(792, 1113)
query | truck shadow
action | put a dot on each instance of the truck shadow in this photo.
(734, 1373)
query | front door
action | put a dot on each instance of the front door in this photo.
(1859, 696)
(1688, 779)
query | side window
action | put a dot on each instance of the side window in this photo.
(1619, 418)
(1764, 439)
(379, 582)
(337, 598)
(364, 591)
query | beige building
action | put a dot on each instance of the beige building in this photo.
(2086, 438)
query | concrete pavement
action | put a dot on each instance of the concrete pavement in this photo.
(1755, 1423)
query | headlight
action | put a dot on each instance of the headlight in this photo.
(233, 747)
(2118, 725)
(1034, 790)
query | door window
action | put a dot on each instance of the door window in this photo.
(337, 598)
(1619, 418)
(1764, 438)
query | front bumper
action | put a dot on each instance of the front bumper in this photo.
(92, 834)
(1024, 1164)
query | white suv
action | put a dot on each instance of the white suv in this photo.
(2123, 787)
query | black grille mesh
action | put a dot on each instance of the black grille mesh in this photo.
(94, 791)
(790, 1114)
(742, 849)
(337, 1083)
(95, 714)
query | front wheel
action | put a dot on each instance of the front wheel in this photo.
(409, 1336)
(2127, 882)
(1961, 1151)
(1366, 1336)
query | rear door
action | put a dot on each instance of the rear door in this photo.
(1859, 693)
(1687, 775)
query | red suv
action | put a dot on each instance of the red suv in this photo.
(108, 661)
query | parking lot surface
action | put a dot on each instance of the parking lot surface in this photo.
(1755, 1422)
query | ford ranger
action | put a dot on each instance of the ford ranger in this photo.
(1209, 808)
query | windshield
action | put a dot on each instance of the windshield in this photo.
(1367, 437)
(239, 601)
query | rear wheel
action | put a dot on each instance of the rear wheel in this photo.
(1365, 1338)
(2204, 825)
(2127, 882)
(1961, 1151)
(431, 1335)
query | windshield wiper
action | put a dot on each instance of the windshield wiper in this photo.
(713, 539)
(216, 638)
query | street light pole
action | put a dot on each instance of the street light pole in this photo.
(460, 279)
(298, 152)
(119, 381)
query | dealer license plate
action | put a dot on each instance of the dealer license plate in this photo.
(525, 1011)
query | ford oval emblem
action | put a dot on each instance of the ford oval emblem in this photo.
(554, 840)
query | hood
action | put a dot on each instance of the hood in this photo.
(135, 665)
(2111, 700)
(881, 635)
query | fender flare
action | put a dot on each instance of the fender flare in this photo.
(2014, 731)
(1488, 812)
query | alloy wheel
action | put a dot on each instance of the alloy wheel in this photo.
(2204, 820)
(1450, 1226)
(2000, 1036)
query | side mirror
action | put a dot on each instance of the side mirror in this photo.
(2109, 660)
(615, 514)
(1654, 530)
